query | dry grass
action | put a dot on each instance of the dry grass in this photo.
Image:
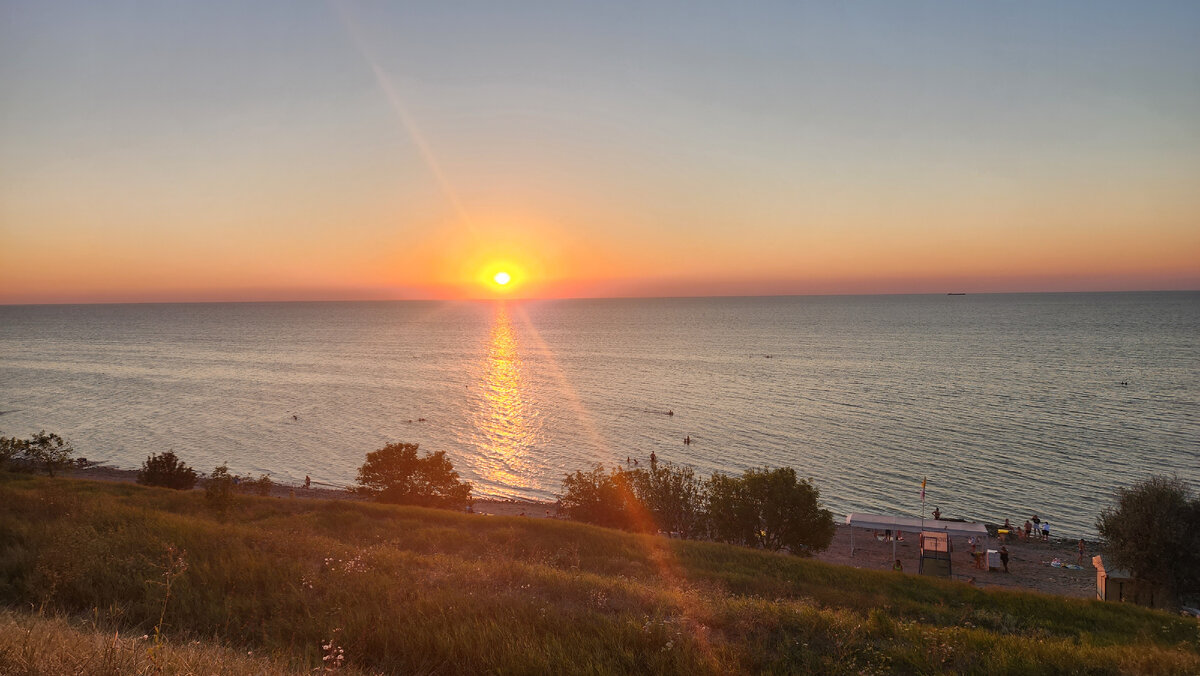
(33, 645)
(411, 590)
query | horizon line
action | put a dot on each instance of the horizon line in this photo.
(571, 298)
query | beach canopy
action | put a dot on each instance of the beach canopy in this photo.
(908, 524)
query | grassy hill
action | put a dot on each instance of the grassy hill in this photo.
(423, 591)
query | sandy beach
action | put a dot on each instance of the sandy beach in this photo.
(1029, 561)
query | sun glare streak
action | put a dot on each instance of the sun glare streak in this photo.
(658, 550)
(392, 93)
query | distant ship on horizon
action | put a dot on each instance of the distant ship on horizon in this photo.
(959, 293)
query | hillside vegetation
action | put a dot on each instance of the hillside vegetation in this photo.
(414, 590)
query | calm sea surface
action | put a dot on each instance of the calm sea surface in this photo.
(1010, 404)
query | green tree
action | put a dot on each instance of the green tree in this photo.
(771, 509)
(1153, 530)
(218, 491)
(166, 470)
(600, 497)
(49, 451)
(396, 474)
(672, 495)
(10, 447)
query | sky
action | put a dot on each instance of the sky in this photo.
(214, 151)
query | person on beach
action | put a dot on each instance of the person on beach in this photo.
(937, 514)
(1004, 557)
(1028, 528)
(653, 460)
(1082, 547)
(897, 566)
(307, 481)
(1045, 531)
(975, 553)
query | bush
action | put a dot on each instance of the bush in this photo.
(771, 509)
(218, 491)
(1153, 530)
(766, 508)
(260, 486)
(166, 470)
(396, 475)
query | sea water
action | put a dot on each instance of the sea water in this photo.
(1011, 405)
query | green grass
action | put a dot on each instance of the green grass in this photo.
(423, 591)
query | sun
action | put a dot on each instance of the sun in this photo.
(502, 278)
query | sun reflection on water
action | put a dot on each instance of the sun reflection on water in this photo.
(507, 420)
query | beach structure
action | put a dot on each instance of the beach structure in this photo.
(935, 554)
(908, 524)
(1114, 584)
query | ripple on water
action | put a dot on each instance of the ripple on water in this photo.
(1011, 405)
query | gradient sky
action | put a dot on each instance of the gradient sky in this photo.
(340, 150)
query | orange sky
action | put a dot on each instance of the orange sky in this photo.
(347, 155)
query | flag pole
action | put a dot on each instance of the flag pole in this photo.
(923, 480)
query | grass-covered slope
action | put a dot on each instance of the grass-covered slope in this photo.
(422, 591)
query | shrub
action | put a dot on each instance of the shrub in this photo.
(166, 470)
(260, 486)
(396, 474)
(218, 491)
(771, 509)
(1153, 530)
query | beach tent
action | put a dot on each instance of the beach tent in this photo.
(908, 524)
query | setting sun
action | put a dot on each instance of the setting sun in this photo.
(502, 278)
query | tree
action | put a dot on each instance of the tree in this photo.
(396, 474)
(166, 470)
(599, 497)
(672, 495)
(10, 447)
(1153, 530)
(771, 509)
(49, 451)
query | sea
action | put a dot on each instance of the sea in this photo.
(1005, 406)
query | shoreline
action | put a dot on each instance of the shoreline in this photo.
(1029, 560)
(320, 491)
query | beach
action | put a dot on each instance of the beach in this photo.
(1030, 566)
